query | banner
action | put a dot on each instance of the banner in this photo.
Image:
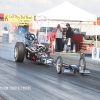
(18, 18)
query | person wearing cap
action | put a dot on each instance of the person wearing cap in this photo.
(69, 35)
(59, 38)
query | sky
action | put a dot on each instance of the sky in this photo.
(37, 6)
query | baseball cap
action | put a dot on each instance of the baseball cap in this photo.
(67, 24)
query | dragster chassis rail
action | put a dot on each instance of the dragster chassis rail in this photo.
(62, 67)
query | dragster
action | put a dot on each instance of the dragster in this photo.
(30, 49)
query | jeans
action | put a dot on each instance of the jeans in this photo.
(59, 44)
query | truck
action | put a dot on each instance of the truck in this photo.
(76, 31)
(46, 34)
(92, 31)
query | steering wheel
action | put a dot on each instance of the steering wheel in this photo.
(30, 37)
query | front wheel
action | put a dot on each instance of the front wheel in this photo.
(82, 63)
(59, 63)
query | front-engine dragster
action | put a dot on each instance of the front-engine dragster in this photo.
(40, 53)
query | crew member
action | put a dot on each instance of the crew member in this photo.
(69, 35)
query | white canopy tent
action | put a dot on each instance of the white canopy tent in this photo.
(66, 12)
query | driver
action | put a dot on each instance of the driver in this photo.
(30, 36)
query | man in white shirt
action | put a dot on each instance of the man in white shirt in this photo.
(59, 38)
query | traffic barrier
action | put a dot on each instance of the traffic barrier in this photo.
(74, 47)
(12, 38)
(5, 38)
(0, 39)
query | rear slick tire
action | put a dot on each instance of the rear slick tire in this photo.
(19, 52)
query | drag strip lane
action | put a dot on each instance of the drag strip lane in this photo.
(46, 84)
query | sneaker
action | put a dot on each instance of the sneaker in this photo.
(69, 51)
(63, 51)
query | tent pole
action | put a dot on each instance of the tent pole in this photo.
(46, 28)
(96, 33)
(80, 26)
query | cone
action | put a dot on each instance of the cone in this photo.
(52, 49)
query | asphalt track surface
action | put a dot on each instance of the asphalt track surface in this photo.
(32, 81)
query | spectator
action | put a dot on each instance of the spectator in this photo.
(64, 42)
(59, 38)
(69, 35)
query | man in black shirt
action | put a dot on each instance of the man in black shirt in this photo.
(69, 35)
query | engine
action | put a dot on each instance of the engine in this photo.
(34, 50)
(38, 51)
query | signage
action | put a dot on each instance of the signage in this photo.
(41, 38)
(99, 54)
(1, 17)
(96, 53)
(18, 18)
(98, 21)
